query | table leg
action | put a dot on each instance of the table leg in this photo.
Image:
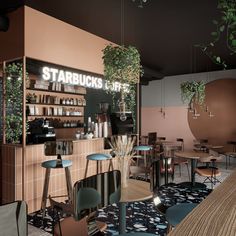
(122, 217)
(166, 170)
(193, 166)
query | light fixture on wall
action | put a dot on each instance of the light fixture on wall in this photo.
(140, 2)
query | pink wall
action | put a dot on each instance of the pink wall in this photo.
(51, 40)
(174, 125)
(39, 36)
(12, 41)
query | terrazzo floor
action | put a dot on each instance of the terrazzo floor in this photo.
(141, 216)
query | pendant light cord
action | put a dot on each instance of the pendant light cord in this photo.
(122, 20)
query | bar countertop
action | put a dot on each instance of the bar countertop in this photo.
(215, 216)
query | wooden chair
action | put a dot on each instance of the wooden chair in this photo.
(209, 171)
(152, 138)
(232, 153)
(200, 144)
(71, 227)
(181, 161)
(167, 163)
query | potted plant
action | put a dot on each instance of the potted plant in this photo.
(122, 64)
(31, 98)
(193, 91)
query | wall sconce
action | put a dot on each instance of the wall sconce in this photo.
(162, 111)
(210, 114)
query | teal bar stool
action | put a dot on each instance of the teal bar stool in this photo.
(175, 214)
(55, 164)
(144, 149)
(98, 157)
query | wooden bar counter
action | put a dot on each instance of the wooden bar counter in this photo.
(34, 174)
(215, 216)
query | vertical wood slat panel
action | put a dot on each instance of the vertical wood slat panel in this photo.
(34, 173)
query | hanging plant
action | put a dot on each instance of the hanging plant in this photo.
(122, 64)
(193, 91)
(13, 96)
(227, 25)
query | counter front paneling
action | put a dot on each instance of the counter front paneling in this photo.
(34, 174)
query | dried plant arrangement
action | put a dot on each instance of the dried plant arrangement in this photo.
(122, 146)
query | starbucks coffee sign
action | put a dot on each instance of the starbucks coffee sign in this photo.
(77, 78)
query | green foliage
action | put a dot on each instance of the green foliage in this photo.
(227, 25)
(121, 64)
(14, 95)
(193, 91)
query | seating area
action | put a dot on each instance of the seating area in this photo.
(117, 118)
(92, 201)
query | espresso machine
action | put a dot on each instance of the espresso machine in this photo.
(40, 131)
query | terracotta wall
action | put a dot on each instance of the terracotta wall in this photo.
(218, 126)
(166, 94)
(37, 35)
(12, 41)
(52, 40)
(173, 126)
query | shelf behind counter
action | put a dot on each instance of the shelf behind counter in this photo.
(12, 169)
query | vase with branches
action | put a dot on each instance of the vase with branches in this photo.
(122, 147)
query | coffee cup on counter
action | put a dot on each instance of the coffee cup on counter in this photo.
(78, 135)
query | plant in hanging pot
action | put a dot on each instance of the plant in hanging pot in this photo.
(193, 91)
(122, 64)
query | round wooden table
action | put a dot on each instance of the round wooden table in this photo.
(193, 156)
(135, 191)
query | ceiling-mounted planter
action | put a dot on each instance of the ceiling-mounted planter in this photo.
(193, 91)
(121, 64)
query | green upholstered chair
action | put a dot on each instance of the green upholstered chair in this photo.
(175, 214)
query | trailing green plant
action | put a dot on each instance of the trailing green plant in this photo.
(13, 96)
(193, 91)
(227, 25)
(121, 64)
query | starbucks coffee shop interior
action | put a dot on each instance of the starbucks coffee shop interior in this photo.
(93, 142)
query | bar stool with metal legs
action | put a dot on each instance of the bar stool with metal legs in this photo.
(144, 149)
(98, 157)
(60, 147)
(55, 164)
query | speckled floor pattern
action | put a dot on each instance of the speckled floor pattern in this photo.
(141, 216)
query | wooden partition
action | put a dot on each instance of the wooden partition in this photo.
(34, 173)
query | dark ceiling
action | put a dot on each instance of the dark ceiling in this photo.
(164, 31)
